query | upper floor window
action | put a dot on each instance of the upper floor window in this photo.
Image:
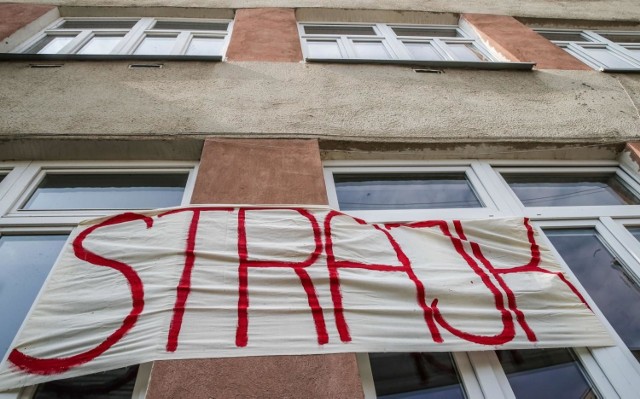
(603, 50)
(394, 43)
(131, 36)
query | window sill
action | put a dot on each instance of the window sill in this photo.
(620, 70)
(521, 66)
(106, 57)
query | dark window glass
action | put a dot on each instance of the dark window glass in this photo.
(415, 375)
(426, 32)
(97, 24)
(544, 373)
(635, 231)
(339, 30)
(24, 266)
(405, 191)
(107, 191)
(2, 177)
(114, 384)
(570, 189)
(607, 281)
(622, 37)
(191, 26)
(565, 36)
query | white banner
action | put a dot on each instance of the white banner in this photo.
(215, 281)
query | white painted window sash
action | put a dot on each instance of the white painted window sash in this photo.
(393, 43)
(593, 40)
(131, 37)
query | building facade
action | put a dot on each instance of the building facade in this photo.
(391, 111)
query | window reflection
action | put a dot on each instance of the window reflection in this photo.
(635, 231)
(606, 279)
(26, 261)
(114, 384)
(545, 373)
(107, 191)
(570, 189)
(405, 191)
(415, 375)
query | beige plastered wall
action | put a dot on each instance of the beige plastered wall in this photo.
(575, 9)
(371, 103)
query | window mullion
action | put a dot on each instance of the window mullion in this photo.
(497, 188)
(182, 41)
(441, 47)
(628, 241)
(133, 38)
(393, 42)
(74, 45)
(490, 376)
(468, 377)
(366, 375)
(347, 45)
(595, 373)
(19, 185)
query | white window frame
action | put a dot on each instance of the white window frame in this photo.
(393, 43)
(24, 177)
(613, 371)
(132, 37)
(594, 40)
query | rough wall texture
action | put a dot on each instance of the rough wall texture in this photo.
(328, 101)
(259, 172)
(575, 9)
(14, 16)
(518, 42)
(265, 34)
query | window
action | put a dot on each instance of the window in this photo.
(603, 50)
(588, 214)
(40, 203)
(436, 44)
(145, 37)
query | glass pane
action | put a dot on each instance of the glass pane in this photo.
(465, 52)
(565, 36)
(107, 191)
(635, 231)
(622, 37)
(405, 191)
(370, 50)
(50, 45)
(607, 281)
(318, 49)
(190, 26)
(415, 375)
(98, 24)
(26, 261)
(156, 45)
(427, 32)
(114, 384)
(422, 51)
(608, 58)
(570, 189)
(544, 373)
(339, 30)
(205, 46)
(100, 45)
